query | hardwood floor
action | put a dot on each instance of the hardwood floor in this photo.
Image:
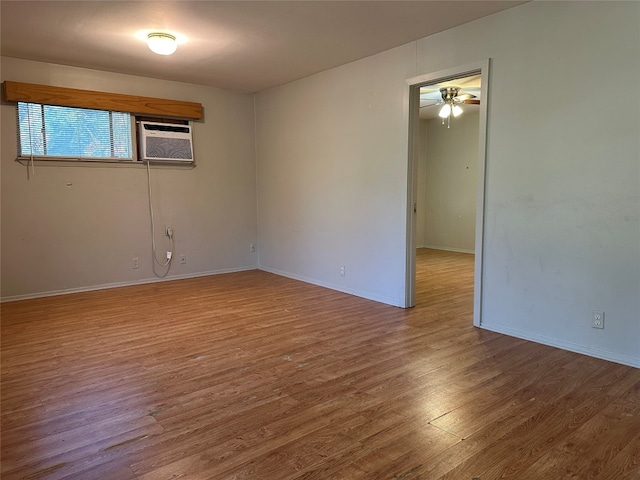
(254, 376)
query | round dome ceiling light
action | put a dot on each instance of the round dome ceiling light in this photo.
(162, 43)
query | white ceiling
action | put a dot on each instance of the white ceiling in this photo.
(245, 46)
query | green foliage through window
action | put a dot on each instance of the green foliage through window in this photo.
(67, 132)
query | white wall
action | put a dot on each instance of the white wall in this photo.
(447, 182)
(562, 205)
(421, 185)
(59, 238)
(332, 166)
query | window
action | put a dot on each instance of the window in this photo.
(53, 132)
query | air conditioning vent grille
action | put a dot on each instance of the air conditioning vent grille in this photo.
(174, 148)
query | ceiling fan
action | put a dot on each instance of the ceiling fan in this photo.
(451, 99)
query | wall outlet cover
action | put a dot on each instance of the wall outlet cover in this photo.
(597, 318)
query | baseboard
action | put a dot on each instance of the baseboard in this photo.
(339, 288)
(105, 286)
(572, 347)
(449, 249)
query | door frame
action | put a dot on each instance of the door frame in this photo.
(414, 84)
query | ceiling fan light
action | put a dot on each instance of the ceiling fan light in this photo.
(162, 43)
(445, 111)
(456, 110)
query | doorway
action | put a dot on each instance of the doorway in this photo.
(473, 86)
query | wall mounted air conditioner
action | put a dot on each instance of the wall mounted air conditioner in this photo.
(165, 142)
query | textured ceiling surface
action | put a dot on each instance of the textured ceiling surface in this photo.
(244, 46)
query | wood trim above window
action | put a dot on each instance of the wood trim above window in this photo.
(72, 97)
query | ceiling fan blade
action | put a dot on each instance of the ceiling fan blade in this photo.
(471, 101)
(430, 104)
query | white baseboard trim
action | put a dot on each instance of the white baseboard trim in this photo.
(449, 249)
(67, 291)
(339, 288)
(572, 347)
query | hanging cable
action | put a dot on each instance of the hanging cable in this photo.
(153, 236)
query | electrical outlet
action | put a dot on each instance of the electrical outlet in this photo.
(597, 317)
(252, 247)
(183, 259)
(342, 271)
(135, 263)
(168, 255)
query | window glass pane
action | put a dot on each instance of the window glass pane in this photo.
(30, 128)
(74, 132)
(121, 135)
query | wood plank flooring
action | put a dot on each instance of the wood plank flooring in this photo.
(254, 376)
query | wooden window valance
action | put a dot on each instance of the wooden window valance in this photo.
(73, 97)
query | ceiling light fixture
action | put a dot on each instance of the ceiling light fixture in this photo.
(450, 107)
(162, 43)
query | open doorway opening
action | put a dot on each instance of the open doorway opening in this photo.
(447, 158)
(447, 137)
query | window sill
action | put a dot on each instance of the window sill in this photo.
(105, 163)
